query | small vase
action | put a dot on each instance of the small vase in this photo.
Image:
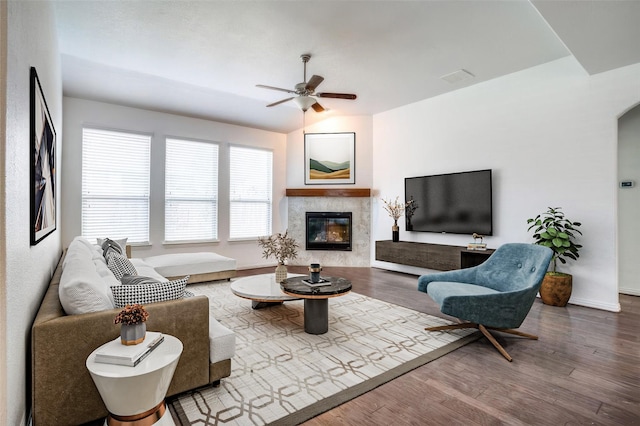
(281, 272)
(133, 334)
(395, 232)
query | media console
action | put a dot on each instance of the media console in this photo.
(431, 256)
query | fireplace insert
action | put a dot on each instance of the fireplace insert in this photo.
(328, 231)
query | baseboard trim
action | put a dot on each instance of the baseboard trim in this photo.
(589, 303)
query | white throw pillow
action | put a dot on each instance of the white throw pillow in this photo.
(82, 289)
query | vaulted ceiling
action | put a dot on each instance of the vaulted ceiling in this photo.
(204, 58)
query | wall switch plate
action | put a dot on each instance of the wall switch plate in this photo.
(627, 184)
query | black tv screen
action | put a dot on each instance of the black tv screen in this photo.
(457, 203)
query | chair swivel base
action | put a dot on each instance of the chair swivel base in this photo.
(485, 330)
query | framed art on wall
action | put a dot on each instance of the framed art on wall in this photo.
(43, 165)
(329, 158)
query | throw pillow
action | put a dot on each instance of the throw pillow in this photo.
(120, 265)
(110, 246)
(124, 295)
(137, 280)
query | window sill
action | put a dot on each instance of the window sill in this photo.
(176, 243)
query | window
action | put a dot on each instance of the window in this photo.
(115, 185)
(191, 191)
(250, 190)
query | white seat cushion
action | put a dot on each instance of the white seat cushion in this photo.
(146, 270)
(222, 341)
(181, 264)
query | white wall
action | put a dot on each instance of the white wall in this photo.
(31, 41)
(80, 112)
(361, 208)
(363, 128)
(629, 201)
(549, 134)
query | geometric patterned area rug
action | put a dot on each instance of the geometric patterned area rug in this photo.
(282, 375)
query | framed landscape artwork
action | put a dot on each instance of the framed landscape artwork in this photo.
(329, 158)
(43, 165)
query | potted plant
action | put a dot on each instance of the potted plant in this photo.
(396, 209)
(133, 329)
(283, 248)
(552, 229)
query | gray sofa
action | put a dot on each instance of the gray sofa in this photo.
(63, 392)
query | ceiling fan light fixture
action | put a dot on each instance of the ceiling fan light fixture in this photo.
(304, 102)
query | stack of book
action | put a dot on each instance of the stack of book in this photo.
(476, 246)
(321, 283)
(115, 352)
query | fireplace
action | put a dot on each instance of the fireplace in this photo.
(328, 231)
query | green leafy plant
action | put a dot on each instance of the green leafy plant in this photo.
(552, 229)
(280, 246)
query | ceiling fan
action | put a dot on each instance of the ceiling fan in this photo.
(305, 91)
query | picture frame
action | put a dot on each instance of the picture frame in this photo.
(329, 158)
(42, 160)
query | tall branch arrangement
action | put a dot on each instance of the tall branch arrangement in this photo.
(280, 246)
(396, 208)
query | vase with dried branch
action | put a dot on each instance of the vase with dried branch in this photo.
(282, 248)
(133, 329)
(396, 210)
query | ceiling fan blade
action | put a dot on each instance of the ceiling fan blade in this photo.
(262, 86)
(314, 82)
(279, 102)
(317, 107)
(336, 95)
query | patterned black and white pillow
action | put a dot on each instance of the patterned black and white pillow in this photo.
(137, 280)
(124, 295)
(110, 246)
(120, 265)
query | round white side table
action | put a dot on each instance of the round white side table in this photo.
(135, 395)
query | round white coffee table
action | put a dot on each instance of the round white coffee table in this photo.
(135, 395)
(262, 290)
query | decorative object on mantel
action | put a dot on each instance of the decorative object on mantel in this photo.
(395, 209)
(329, 158)
(555, 231)
(133, 329)
(475, 245)
(282, 247)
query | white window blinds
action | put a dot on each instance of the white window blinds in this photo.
(250, 190)
(191, 191)
(115, 185)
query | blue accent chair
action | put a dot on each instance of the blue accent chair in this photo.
(496, 295)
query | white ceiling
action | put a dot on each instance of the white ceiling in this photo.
(204, 58)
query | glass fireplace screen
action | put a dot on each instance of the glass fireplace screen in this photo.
(328, 231)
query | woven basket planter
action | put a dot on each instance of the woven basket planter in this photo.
(556, 289)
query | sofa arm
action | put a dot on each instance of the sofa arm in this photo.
(63, 392)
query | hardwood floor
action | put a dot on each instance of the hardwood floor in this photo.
(584, 369)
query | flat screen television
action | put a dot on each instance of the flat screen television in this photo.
(456, 203)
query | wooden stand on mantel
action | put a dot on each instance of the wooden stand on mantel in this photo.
(328, 192)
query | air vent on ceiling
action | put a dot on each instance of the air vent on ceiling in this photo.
(457, 76)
